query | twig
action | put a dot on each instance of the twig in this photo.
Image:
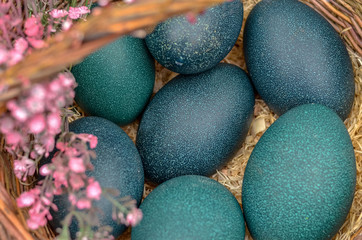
(85, 37)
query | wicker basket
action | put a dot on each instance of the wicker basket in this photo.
(344, 15)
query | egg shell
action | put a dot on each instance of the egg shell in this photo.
(295, 57)
(116, 81)
(190, 48)
(190, 207)
(195, 123)
(117, 166)
(300, 178)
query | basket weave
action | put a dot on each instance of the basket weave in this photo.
(344, 15)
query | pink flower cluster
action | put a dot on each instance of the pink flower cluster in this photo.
(73, 13)
(133, 217)
(40, 204)
(35, 118)
(34, 31)
(66, 173)
(18, 37)
(31, 37)
(36, 113)
(127, 213)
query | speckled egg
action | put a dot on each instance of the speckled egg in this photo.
(195, 123)
(116, 81)
(190, 207)
(189, 48)
(117, 166)
(295, 57)
(299, 181)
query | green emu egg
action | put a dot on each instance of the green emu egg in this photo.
(190, 207)
(116, 81)
(295, 57)
(300, 178)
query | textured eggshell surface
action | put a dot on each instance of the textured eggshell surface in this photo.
(195, 123)
(300, 178)
(190, 207)
(189, 48)
(117, 166)
(295, 57)
(116, 81)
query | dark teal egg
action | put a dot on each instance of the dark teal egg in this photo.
(190, 207)
(117, 166)
(196, 123)
(189, 48)
(299, 181)
(116, 81)
(295, 57)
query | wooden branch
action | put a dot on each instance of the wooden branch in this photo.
(102, 27)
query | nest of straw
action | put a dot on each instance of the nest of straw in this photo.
(344, 15)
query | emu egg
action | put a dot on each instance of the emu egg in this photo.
(116, 81)
(190, 207)
(117, 166)
(195, 123)
(189, 48)
(300, 178)
(295, 57)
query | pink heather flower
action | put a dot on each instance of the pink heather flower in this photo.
(37, 218)
(191, 18)
(93, 140)
(34, 105)
(15, 57)
(94, 190)
(57, 191)
(60, 102)
(23, 168)
(46, 201)
(30, 164)
(6, 125)
(66, 25)
(84, 203)
(77, 12)
(54, 123)
(33, 27)
(66, 80)
(19, 168)
(48, 142)
(61, 146)
(37, 124)
(77, 165)
(13, 138)
(17, 112)
(36, 43)
(39, 149)
(76, 181)
(55, 87)
(134, 217)
(71, 151)
(60, 178)
(103, 3)
(26, 199)
(21, 45)
(44, 170)
(33, 225)
(38, 91)
(72, 199)
(58, 13)
(4, 55)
